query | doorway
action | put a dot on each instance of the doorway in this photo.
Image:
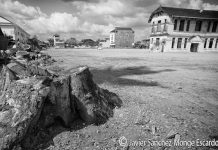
(194, 47)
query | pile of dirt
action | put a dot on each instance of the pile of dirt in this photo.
(32, 98)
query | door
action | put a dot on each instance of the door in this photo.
(194, 47)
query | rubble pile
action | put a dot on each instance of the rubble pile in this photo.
(33, 97)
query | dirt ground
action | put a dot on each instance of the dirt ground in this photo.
(162, 93)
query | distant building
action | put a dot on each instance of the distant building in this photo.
(146, 43)
(58, 43)
(121, 37)
(105, 43)
(11, 29)
(178, 29)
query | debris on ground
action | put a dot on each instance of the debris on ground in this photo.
(33, 98)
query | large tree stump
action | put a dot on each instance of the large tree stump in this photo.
(34, 103)
(94, 105)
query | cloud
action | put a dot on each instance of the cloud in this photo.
(92, 18)
(89, 1)
(35, 22)
(18, 10)
(192, 4)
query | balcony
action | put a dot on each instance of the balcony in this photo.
(159, 28)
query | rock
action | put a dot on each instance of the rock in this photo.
(21, 107)
(36, 70)
(95, 105)
(6, 77)
(177, 138)
(19, 69)
(153, 129)
(171, 134)
(60, 98)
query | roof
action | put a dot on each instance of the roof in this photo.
(56, 35)
(121, 28)
(12, 23)
(187, 13)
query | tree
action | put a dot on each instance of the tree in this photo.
(71, 42)
(51, 41)
(34, 42)
(88, 42)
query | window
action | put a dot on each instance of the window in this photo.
(173, 42)
(179, 44)
(211, 43)
(205, 43)
(157, 41)
(175, 24)
(188, 25)
(216, 43)
(198, 25)
(165, 20)
(185, 44)
(159, 26)
(208, 26)
(214, 26)
(181, 26)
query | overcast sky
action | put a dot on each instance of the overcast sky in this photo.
(89, 18)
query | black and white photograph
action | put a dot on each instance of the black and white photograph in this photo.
(108, 74)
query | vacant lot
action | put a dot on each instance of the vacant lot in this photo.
(162, 91)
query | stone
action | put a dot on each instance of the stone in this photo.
(21, 107)
(95, 105)
(177, 138)
(6, 77)
(37, 70)
(171, 134)
(19, 69)
(153, 129)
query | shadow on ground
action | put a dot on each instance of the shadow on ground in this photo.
(115, 76)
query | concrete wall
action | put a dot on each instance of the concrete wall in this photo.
(21, 35)
(105, 44)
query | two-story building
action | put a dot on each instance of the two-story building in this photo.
(178, 29)
(121, 37)
(58, 43)
(11, 29)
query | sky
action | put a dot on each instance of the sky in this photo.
(89, 18)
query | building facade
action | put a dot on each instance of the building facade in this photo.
(121, 37)
(177, 29)
(58, 43)
(11, 29)
(105, 43)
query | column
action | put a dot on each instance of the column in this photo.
(185, 25)
(207, 45)
(214, 42)
(175, 44)
(178, 24)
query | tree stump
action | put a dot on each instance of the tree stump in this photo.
(94, 105)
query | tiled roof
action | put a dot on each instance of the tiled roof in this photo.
(121, 28)
(187, 13)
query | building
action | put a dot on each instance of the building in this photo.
(178, 29)
(121, 37)
(58, 43)
(11, 29)
(105, 43)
